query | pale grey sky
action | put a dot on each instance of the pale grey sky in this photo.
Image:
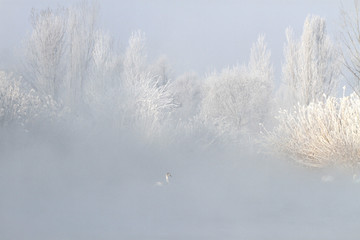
(195, 35)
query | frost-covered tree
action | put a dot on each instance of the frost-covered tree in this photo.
(321, 134)
(135, 59)
(145, 104)
(312, 64)
(81, 35)
(103, 79)
(227, 100)
(77, 64)
(237, 99)
(45, 50)
(261, 68)
(59, 51)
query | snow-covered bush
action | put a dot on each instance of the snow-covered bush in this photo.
(236, 100)
(21, 106)
(323, 133)
(312, 64)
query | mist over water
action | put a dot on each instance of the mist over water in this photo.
(70, 186)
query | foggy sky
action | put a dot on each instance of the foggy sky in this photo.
(194, 35)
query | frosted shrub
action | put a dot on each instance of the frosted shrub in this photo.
(323, 133)
(20, 106)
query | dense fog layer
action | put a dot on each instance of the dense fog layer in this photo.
(93, 119)
(104, 188)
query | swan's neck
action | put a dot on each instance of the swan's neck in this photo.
(167, 178)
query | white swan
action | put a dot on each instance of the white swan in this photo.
(167, 176)
(356, 178)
